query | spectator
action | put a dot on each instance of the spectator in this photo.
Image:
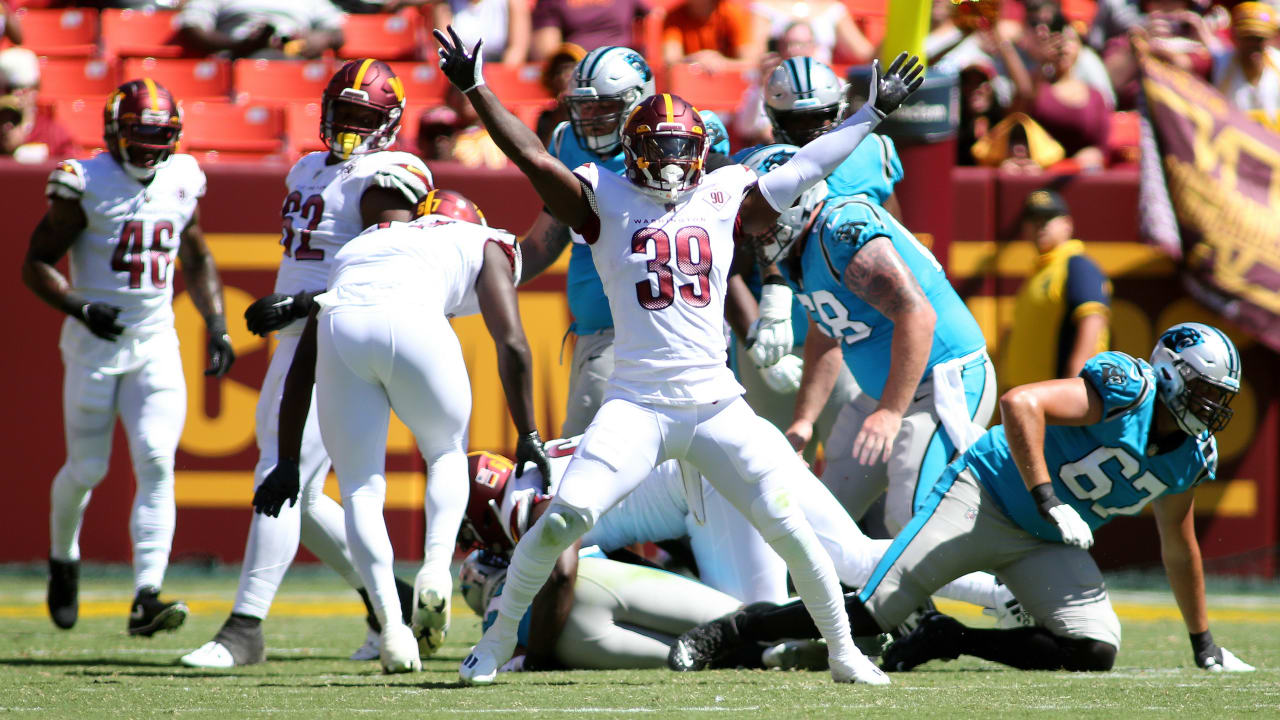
(556, 75)
(435, 133)
(589, 24)
(261, 28)
(980, 108)
(1061, 314)
(1114, 19)
(831, 27)
(10, 28)
(716, 34)
(27, 133)
(1177, 34)
(1250, 75)
(468, 141)
(504, 25)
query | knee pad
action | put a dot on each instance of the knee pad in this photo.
(562, 524)
(772, 513)
(1087, 655)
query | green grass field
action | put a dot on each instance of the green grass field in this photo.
(96, 670)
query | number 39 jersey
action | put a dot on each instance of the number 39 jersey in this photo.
(125, 254)
(664, 268)
(322, 209)
(1101, 470)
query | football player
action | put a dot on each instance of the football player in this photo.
(1024, 501)
(606, 85)
(662, 241)
(331, 196)
(379, 340)
(123, 217)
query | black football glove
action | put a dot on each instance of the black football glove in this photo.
(280, 485)
(530, 449)
(100, 318)
(276, 310)
(464, 70)
(891, 89)
(221, 355)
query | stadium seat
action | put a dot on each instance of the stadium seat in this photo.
(424, 84)
(1124, 138)
(73, 78)
(60, 33)
(280, 82)
(248, 129)
(517, 85)
(83, 119)
(711, 91)
(140, 33)
(386, 36)
(190, 80)
(302, 127)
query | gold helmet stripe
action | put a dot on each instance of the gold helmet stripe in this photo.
(364, 67)
(397, 86)
(666, 100)
(152, 92)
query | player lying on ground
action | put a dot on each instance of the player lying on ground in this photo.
(332, 195)
(1023, 502)
(123, 217)
(662, 241)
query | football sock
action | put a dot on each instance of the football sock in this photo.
(448, 490)
(371, 617)
(152, 520)
(531, 564)
(67, 501)
(791, 621)
(1035, 648)
(324, 533)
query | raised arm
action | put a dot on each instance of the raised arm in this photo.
(556, 184)
(205, 288)
(779, 188)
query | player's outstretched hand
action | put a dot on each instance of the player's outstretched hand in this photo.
(221, 354)
(529, 449)
(1075, 531)
(280, 485)
(101, 320)
(464, 70)
(270, 313)
(1213, 657)
(891, 89)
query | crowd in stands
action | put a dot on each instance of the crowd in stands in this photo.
(1044, 85)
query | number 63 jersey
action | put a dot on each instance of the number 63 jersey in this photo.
(664, 268)
(1102, 470)
(125, 254)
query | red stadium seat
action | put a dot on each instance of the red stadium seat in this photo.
(250, 129)
(708, 91)
(140, 33)
(73, 78)
(302, 128)
(424, 84)
(386, 37)
(280, 82)
(189, 80)
(517, 85)
(60, 33)
(83, 119)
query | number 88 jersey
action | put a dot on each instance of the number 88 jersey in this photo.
(321, 211)
(125, 254)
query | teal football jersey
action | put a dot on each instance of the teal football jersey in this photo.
(1101, 470)
(843, 227)
(872, 169)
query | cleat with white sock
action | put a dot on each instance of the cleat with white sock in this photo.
(856, 668)
(399, 652)
(238, 642)
(372, 647)
(430, 623)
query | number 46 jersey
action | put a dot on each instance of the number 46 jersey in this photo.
(125, 254)
(664, 268)
(1102, 470)
(322, 210)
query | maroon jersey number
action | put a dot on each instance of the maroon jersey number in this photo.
(696, 294)
(130, 256)
(313, 211)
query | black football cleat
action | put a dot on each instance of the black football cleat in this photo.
(935, 637)
(149, 615)
(63, 597)
(705, 645)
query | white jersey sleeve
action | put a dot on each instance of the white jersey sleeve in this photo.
(66, 181)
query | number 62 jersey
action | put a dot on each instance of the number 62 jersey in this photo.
(125, 254)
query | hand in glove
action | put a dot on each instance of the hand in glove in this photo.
(100, 318)
(276, 310)
(784, 376)
(464, 70)
(1214, 658)
(529, 449)
(221, 354)
(891, 89)
(1075, 531)
(770, 337)
(280, 485)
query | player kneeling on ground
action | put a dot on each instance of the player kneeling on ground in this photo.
(1024, 501)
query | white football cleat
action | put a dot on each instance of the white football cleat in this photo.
(399, 651)
(1006, 609)
(212, 654)
(372, 647)
(1230, 663)
(480, 666)
(430, 622)
(856, 668)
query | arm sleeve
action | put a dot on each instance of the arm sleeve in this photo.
(813, 162)
(1088, 292)
(1119, 381)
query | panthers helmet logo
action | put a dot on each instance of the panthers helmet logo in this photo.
(634, 60)
(779, 158)
(849, 232)
(1113, 374)
(1181, 338)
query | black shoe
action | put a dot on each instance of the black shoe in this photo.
(64, 592)
(149, 615)
(242, 636)
(936, 637)
(705, 645)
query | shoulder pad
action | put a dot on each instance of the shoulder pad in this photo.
(1120, 381)
(66, 181)
(851, 224)
(412, 179)
(192, 173)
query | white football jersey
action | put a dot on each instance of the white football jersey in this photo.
(125, 254)
(432, 261)
(664, 269)
(321, 211)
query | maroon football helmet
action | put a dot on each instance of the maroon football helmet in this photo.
(482, 525)
(664, 145)
(451, 204)
(141, 125)
(361, 108)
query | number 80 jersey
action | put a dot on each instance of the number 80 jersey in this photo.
(664, 269)
(125, 254)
